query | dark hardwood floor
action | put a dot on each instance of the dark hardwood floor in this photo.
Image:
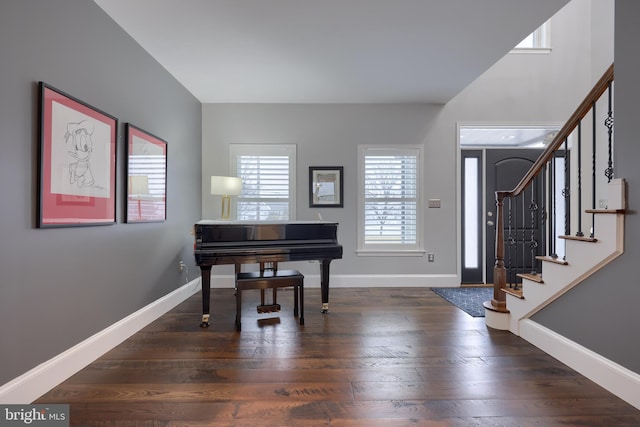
(381, 357)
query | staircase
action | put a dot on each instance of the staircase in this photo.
(584, 256)
(579, 191)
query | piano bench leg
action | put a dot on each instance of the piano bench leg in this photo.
(238, 308)
(301, 295)
(205, 321)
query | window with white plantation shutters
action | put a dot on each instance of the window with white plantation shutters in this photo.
(268, 181)
(390, 205)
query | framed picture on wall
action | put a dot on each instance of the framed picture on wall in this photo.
(326, 187)
(77, 162)
(146, 176)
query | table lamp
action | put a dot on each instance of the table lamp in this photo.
(226, 186)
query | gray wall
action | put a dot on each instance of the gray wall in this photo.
(601, 313)
(60, 286)
(326, 135)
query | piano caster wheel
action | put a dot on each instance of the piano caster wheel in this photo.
(325, 308)
(205, 321)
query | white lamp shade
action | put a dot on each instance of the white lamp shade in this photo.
(226, 185)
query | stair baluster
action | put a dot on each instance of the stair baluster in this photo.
(609, 124)
(579, 233)
(593, 167)
(554, 204)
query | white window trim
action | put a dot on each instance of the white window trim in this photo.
(413, 251)
(289, 150)
(542, 34)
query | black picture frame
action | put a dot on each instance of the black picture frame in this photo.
(326, 186)
(77, 162)
(146, 176)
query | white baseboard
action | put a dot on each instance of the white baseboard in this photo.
(29, 386)
(392, 280)
(366, 281)
(615, 378)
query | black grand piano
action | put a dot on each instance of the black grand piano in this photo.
(253, 242)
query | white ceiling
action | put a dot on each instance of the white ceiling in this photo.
(328, 51)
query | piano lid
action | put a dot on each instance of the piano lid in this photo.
(209, 231)
(272, 222)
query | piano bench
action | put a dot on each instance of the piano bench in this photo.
(271, 279)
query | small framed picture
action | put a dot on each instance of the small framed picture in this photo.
(146, 176)
(326, 187)
(77, 162)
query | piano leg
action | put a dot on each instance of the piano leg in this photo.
(324, 284)
(206, 294)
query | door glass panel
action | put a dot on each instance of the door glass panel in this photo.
(471, 217)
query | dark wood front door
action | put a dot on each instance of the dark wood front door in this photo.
(504, 170)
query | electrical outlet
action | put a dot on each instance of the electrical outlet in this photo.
(181, 266)
(431, 257)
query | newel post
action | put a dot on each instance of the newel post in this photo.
(499, 301)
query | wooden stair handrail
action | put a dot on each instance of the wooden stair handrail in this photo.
(499, 303)
(571, 124)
